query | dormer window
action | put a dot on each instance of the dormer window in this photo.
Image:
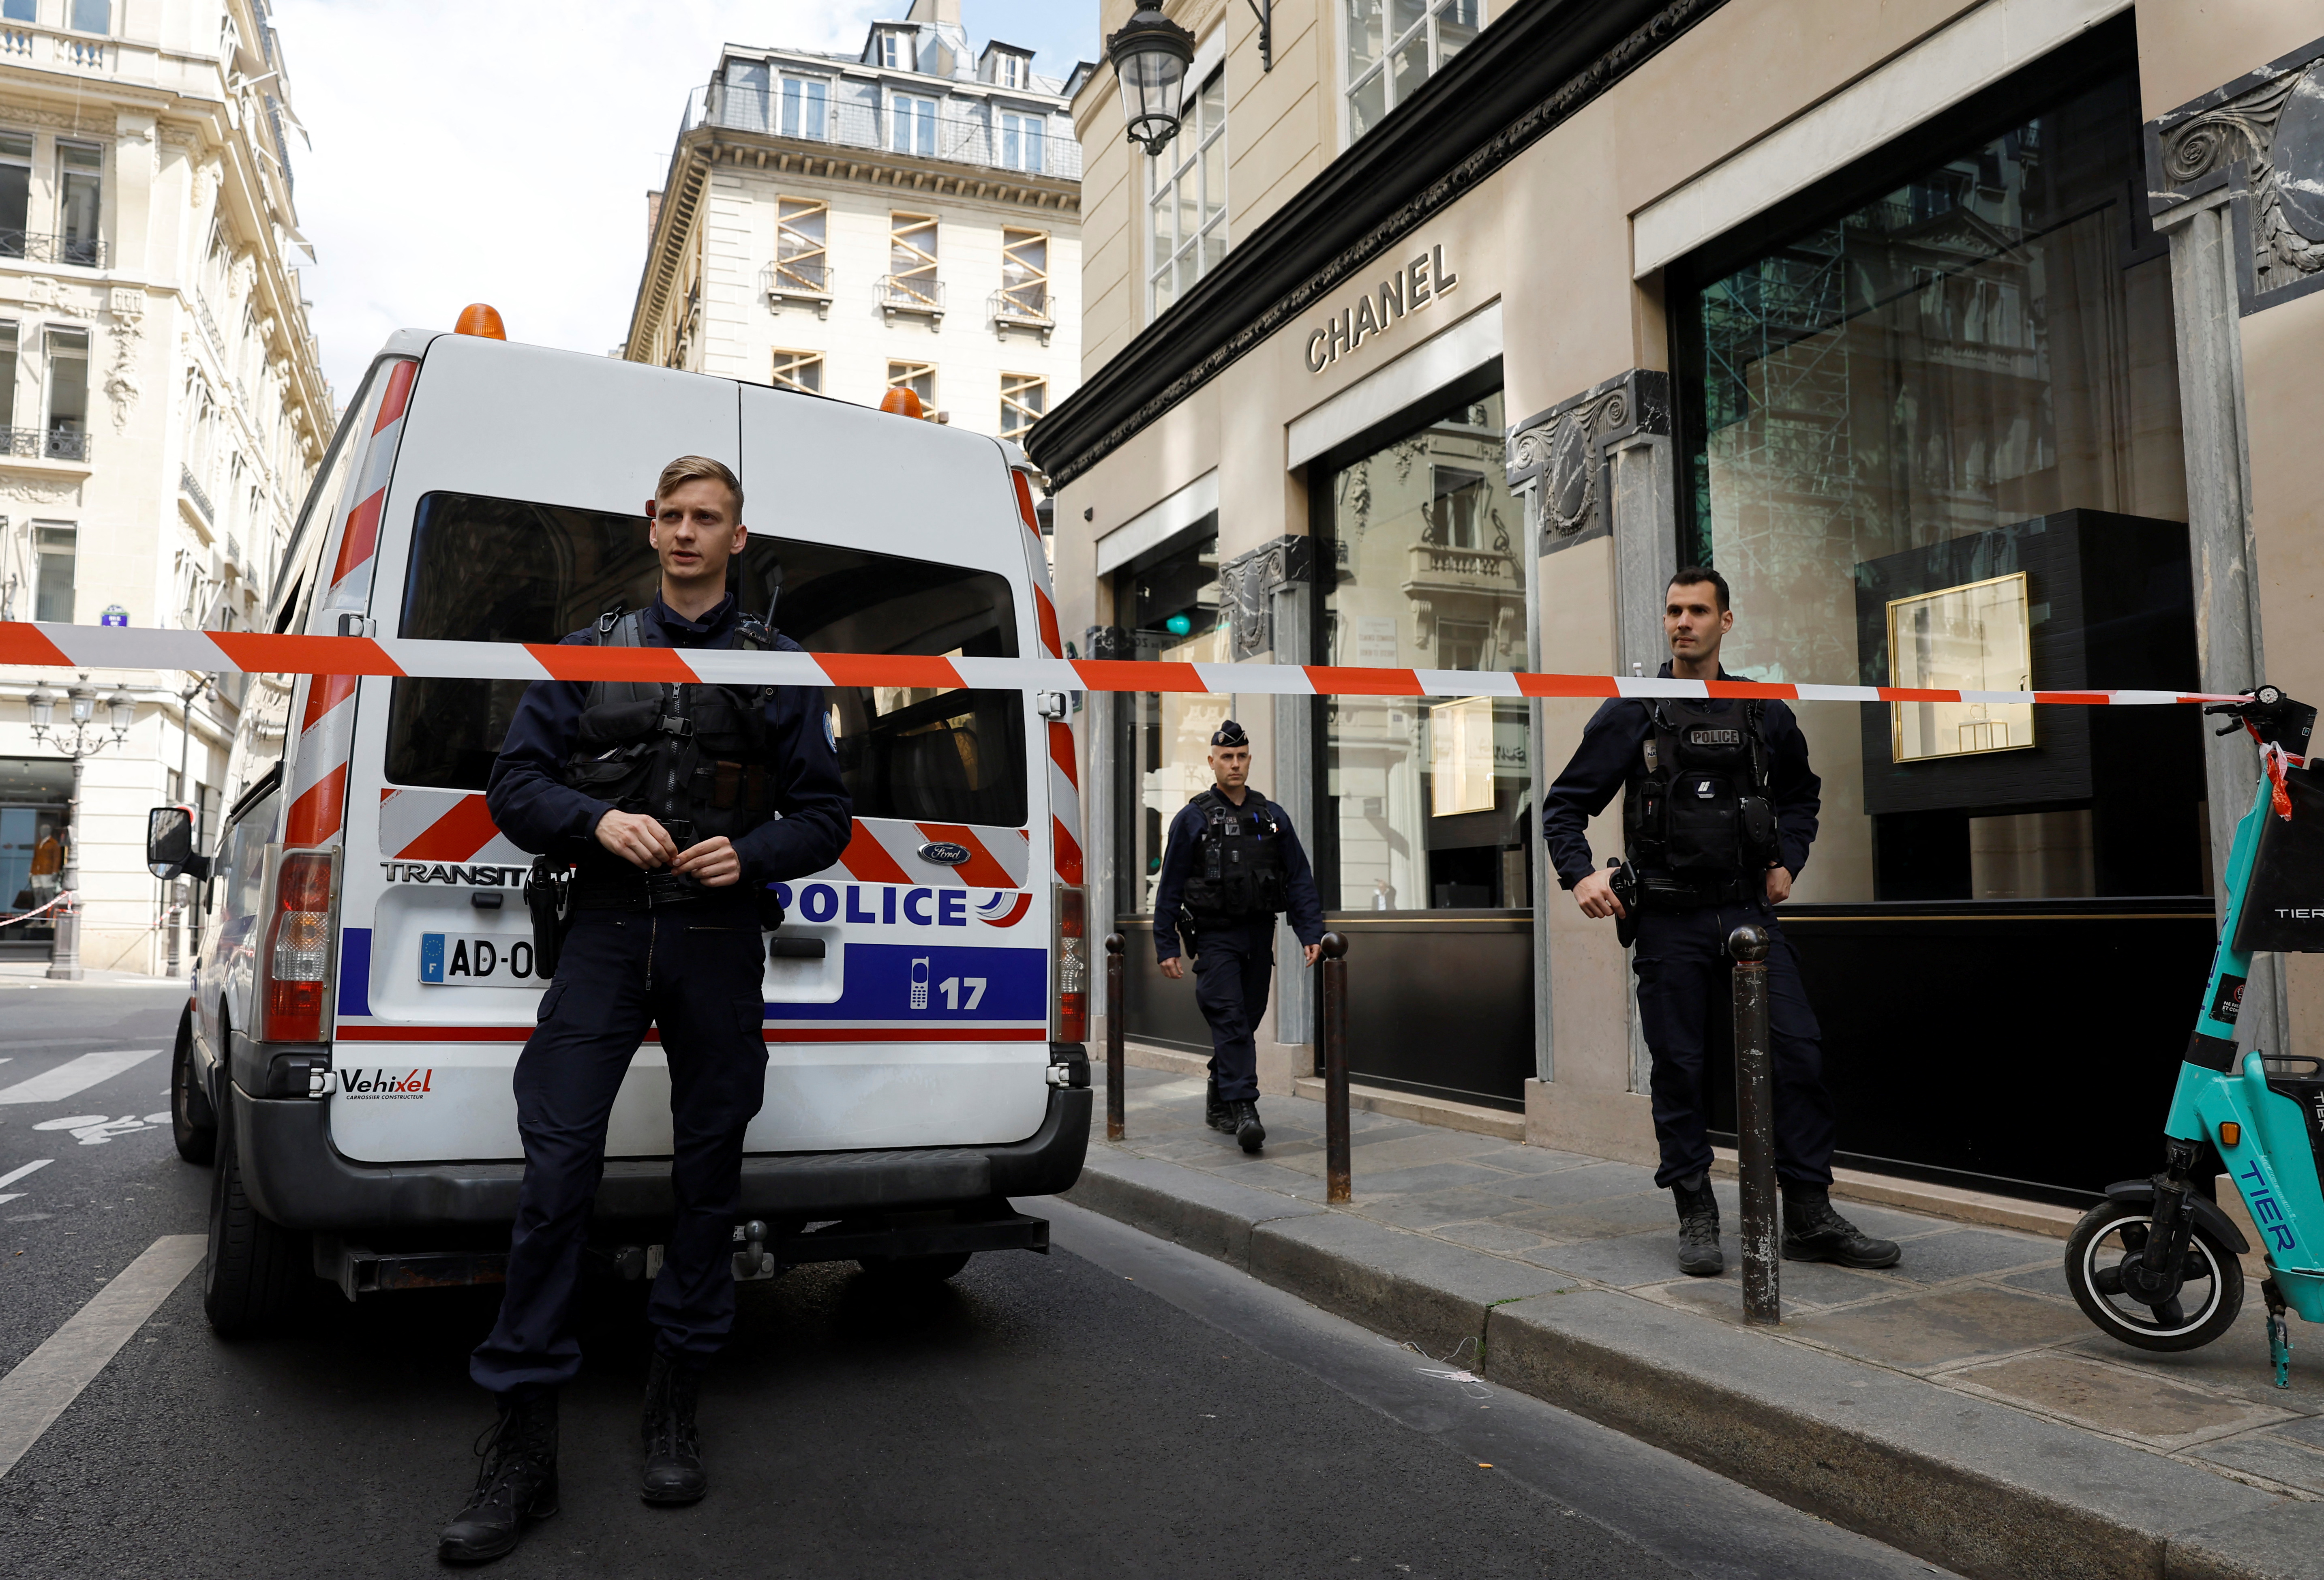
(1010, 71)
(895, 50)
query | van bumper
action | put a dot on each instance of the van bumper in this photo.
(299, 1179)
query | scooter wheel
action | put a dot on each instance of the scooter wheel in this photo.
(2113, 1232)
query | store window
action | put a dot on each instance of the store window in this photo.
(54, 545)
(799, 369)
(81, 185)
(68, 359)
(1932, 439)
(1426, 798)
(1024, 396)
(1186, 198)
(1169, 606)
(1396, 45)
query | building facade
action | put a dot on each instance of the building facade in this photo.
(1966, 337)
(163, 405)
(908, 216)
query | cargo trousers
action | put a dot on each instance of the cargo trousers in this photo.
(694, 971)
(1234, 962)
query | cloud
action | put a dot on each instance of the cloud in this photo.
(500, 150)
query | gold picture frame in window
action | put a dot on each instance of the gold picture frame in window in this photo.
(1977, 636)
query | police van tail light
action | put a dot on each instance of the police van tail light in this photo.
(296, 960)
(1069, 962)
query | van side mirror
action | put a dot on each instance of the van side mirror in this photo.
(170, 845)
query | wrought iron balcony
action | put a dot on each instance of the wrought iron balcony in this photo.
(950, 136)
(193, 490)
(911, 294)
(798, 279)
(82, 252)
(55, 444)
(1022, 304)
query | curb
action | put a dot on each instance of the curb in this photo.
(1980, 1488)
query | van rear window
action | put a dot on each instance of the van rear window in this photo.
(507, 570)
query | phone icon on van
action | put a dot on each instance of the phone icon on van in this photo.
(919, 982)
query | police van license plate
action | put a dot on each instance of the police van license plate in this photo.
(468, 960)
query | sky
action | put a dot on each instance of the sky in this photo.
(500, 150)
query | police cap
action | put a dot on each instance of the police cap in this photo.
(1230, 733)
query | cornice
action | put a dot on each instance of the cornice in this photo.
(1525, 76)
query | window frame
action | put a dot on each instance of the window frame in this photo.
(920, 287)
(798, 362)
(55, 347)
(913, 372)
(1013, 302)
(898, 117)
(1211, 220)
(93, 244)
(795, 94)
(808, 271)
(1014, 389)
(70, 532)
(1425, 29)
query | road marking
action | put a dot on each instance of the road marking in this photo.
(15, 1175)
(52, 1377)
(76, 1075)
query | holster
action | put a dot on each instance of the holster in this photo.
(1625, 885)
(549, 896)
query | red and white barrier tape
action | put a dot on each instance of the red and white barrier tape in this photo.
(95, 647)
(63, 897)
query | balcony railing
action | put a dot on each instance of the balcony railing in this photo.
(956, 138)
(55, 444)
(1022, 304)
(798, 279)
(911, 294)
(82, 252)
(193, 490)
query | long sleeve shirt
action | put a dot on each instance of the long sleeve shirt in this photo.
(532, 805)
(1304, 905)
(1612, 744)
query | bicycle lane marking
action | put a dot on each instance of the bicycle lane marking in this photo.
(46, 1382)
(15, 1175)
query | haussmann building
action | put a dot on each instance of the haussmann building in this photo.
(1975, 344)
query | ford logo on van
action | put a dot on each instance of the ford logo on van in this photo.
(944, 851)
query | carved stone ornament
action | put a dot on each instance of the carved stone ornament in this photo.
(33, 489)
(1247, 585)
(1563, 452)
(2261, 138)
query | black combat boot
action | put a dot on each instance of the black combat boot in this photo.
(1698, 1228)
(1249, 1132)
(1813, 1232)
(1216, 1112)
(673, 1446)
(517, 1481)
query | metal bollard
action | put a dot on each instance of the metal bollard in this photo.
(1114, 1033)
(1336, 1187)
(1755, 1131)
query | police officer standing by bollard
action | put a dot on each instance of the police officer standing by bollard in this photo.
(1718, 809)
(677, 805)
(1233, 861)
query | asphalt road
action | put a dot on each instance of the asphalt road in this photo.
(1120, 1407)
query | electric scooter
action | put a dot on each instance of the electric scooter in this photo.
(2154, 1265)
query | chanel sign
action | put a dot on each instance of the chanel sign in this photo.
(1407, 290)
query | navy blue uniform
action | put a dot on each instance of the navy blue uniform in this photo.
(1234, 961)
(1680, 960)
(694, 969)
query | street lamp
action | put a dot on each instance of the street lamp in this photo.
(1151, 55)
(81, 707)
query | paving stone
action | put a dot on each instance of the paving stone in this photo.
(1595, 1183)
(2042, 1280)
(2235, 1362)
(1524, 1160)
(2266, 1454)
(1428, 1209)
(1426, 1176)
(1619, 1214)
(2127, 1403)
(1890, 1223)
(1961, 1252)
(1938, 1329)
(1498, 1238)
(1630, 1259)
(2280, 1542)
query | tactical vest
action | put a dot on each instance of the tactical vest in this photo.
(1696, 817)
(691, 756)
(1239, 868)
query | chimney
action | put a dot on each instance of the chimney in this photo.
(653, 215)
(936, 11)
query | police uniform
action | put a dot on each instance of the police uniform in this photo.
(1715, 793)
(1231, 867)
(753, 764)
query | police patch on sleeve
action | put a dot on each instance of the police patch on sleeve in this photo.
(830, 737)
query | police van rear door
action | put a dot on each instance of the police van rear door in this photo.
(926, 1020)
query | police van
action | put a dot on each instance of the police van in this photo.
(368, 975)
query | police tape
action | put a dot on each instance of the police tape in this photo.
(117, 647)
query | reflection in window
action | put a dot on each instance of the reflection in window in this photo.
(67, 356)
(15, 190)
(80, 182)
(802, 228)
(1985, 344)
(1169, 606)
(805, 111)
(1396, 45)
(912, 124)
(1424, 796)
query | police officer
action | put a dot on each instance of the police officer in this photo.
(677, 805)
(1718, 809)
(1232, 864)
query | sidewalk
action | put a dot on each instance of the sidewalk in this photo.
(1959, 1405)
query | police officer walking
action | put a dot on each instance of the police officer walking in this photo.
(1232, 864)
(1718, 809)
(677, 805)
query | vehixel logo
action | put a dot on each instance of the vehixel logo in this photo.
(405, 1083)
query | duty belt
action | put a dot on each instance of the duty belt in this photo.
(613, 884)
(1665, 892)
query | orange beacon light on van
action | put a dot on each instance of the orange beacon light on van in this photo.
(902, 401)
(477, 319)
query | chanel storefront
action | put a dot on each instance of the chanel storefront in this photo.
(1970, 342)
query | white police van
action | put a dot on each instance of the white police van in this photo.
(367, 978)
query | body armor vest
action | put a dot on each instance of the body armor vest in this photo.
(1695, 812)
(691, 756)
(1239, 869)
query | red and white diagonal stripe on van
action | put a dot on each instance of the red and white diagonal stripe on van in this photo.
(442, 826)
(1065, 804)
(350, 585)
(319, 779)
(887, 850)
